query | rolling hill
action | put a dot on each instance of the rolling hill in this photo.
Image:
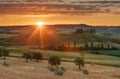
(57, 34)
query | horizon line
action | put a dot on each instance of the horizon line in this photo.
(61, 24)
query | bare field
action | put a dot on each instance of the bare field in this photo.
(19, 69)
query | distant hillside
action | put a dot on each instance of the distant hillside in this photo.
(57, 34)
(110, 30)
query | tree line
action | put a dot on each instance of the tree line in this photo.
(81, 30)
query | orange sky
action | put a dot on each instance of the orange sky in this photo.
(95, 19)
(91, 12)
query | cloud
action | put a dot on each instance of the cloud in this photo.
(71, 7)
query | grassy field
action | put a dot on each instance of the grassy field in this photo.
(19, 69)
(110, 52)
(70, 56)
(106, 57)
(1, 46)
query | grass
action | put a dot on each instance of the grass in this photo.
(107, 52)
(70, 56)
(103, 60)
(19, 69)
(111, 62)
(2, 47)
(110, 52)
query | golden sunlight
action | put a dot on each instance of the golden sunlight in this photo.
(40, 24)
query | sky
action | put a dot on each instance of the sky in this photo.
(91, 12)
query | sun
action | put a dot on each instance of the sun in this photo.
(40, 24)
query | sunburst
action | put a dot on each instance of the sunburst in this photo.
(40, 24)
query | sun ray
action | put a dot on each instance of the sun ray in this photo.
(31, 37)
(36, 35)
(44, 37)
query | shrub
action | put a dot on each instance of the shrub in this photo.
(54, 60)
(1, 53)
(51, 47)
(85, 71)
(27, 56)
(60, 48)
(62, 68)
(5, 63)
(52, 68)
(37, 56)
(59, 72)
(80, 62)
(4, 52)
(114, 48)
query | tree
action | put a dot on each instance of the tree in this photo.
(102, 46)
(98, 45)
(37, 56)
(1, 53)
(92, 44)
(92, 30)
(54, 60)
(108, 45)
(27, 56)
(4, 52)
(80, 62)
(86, 45)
